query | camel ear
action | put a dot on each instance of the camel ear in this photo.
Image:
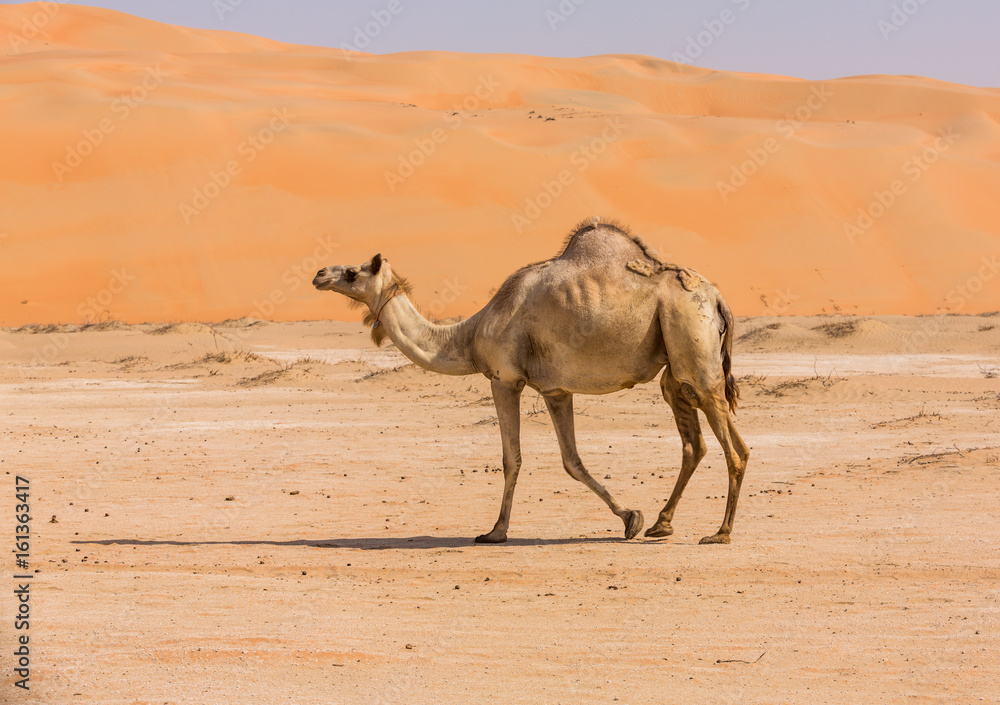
(376, 263)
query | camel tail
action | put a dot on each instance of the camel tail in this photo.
(732, 389)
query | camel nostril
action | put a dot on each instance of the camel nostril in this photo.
(321, 272)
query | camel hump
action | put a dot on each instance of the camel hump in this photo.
(604, 241)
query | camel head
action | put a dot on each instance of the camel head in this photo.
(363, 283)
(371, 284)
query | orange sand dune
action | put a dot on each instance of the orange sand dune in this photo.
(157, 173)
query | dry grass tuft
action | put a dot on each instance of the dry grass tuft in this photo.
(839, 329)
(109, 324)
(230, 357)
(783, 388)
(753, 381)
(45, 328)
(758, 334)
(916, 418)
(375, 372)
(132, 361)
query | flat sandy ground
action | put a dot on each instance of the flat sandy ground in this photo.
(296, 525)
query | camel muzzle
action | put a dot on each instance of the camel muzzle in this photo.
(322, 277)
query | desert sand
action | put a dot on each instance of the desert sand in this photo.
(158, 173)
(278, 513)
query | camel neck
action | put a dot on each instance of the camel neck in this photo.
(446, 349)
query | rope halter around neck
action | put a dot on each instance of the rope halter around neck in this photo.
(378, 315)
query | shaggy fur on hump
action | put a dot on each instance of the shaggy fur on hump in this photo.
(687, 278)
(399, 285)
(651, 266)
(615, 226)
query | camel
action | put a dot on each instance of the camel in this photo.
(606, 314)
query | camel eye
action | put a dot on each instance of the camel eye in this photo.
(350, 275)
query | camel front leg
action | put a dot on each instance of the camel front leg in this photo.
(561, 410)
(507, 399)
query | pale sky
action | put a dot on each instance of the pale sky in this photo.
(953, 40)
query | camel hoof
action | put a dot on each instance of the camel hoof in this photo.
(633, 524)
(491, 538)
(658, 531)
(717, 538)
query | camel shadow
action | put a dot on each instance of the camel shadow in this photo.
(371, 544)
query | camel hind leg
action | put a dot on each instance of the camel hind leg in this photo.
(694, 341)
(561, 410)
(688, 425)
(737, 453)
